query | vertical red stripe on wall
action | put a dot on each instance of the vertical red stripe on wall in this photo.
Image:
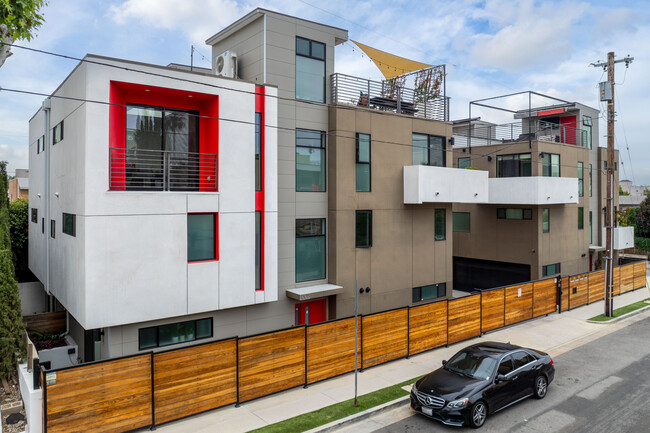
(259, 195)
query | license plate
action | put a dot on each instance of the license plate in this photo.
(427, 411)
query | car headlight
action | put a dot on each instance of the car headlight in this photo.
(458, 404)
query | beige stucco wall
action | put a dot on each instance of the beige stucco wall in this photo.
(404, 253)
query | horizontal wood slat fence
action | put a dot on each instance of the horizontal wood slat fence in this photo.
(49, 323)
(153, 388)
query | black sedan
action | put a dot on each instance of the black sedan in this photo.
(480, 380)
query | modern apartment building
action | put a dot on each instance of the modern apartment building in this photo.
(171, 206)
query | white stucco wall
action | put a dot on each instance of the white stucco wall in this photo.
(444, 185)
(535, 190)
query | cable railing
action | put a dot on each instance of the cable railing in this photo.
(385, 96)
(485, 135)
(159, 170)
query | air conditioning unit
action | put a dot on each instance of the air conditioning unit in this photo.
(226, 65)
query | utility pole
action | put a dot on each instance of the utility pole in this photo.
(607, 94)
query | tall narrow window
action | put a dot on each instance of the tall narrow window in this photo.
(590, 181)
(546, 220)
(258, 250)
(201, 236)
(516, 165)
(440, 224)
(591, 235)
(428, 150)
(258, 151)
(581, 180)
(310, 249)
(460, 221)
(586, 131)
(310, 70)
(363, 228)
(310, 160)
(70, 224)
(363, 163)
(53, 228)
(581, 218)
(34, 215)
(551, 165)
(57, 133)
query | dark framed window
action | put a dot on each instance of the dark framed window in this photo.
(40, 144)
(546, 220)
(464, 162)
(201, 236)
(551, 165)
(57, 133)
(549, 270)
(587, 124)
(43, 225)
(432, 291)
(590, 181)
(515, 213)
(460, 221)
(363, 232)
(515, 165)
(581, 180)
(258, 250)
(440, 225)
(310, 70)
(70, 224)
(363, 163)
(581, 218)
(310, 161)
(591, 240)
(310, 249)
(428, 150)
(35, 215)
(258, 151)
(174, 333)
(52, 228)
(162, 146)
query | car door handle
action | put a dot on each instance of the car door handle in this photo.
(515, 378)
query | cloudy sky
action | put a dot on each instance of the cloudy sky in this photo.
(490, 47)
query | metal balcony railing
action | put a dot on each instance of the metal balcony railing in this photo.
(480, 135)
(383, 96)
(156, 170)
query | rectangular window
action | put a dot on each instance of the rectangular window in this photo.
(440, 224)
(460, 221)
(35, 215)
(581, 180)
(174, 333)
(258, 151)
(52, 228)
(546, 221)
(590, 231)
(57, 133)
(581, 218)
(551, 164)
(428, 150)
(363, 229)
(201, 236)
(464, 162)
(590, 180)
(258, 250)
(310, 249)
(432, 291)
(310, 70)
(363, 163)
(70, 224)
(515, 213)
(549, 270)
(310, 160)
(43, 225)
(516, 165)
(586, 134)
(40, 144)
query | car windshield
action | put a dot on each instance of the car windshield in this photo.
(475, 365)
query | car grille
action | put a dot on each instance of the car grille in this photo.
(430, 400)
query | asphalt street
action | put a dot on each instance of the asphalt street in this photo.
(602, 386)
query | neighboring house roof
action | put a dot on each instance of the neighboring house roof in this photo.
(630, 200)
(23, 182)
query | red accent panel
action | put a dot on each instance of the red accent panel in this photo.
(550, 112)
(259, 195)
(207, 105)
(569, 135)
(317, 312)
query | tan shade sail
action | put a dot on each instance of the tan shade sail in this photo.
(389, 64)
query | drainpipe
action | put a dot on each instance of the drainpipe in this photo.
(47, 106)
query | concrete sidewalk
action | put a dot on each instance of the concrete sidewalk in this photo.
(555, 334)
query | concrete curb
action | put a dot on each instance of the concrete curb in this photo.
(617, 319)
(334, 425)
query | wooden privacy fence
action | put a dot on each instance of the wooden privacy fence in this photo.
(154, 388)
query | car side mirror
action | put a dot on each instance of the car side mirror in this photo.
(501, 378)
(444, 361)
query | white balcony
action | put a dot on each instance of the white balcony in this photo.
(533, 190)
(427, 184)
(623, 237)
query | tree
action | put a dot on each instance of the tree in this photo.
(18, 231)
(20, 19)
(621, 192)
(643, 217)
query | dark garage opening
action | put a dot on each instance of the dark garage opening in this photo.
(475, 274)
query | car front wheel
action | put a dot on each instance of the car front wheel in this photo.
(478, 414)
(541, 386)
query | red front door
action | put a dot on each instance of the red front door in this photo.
(308, 313)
